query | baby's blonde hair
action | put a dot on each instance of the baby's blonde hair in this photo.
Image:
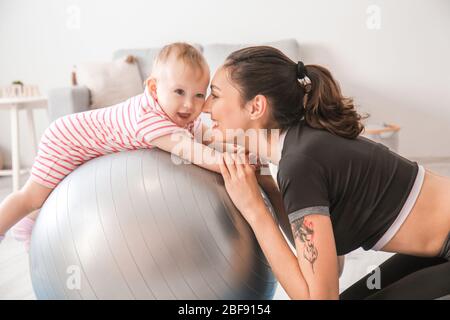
(183, 52)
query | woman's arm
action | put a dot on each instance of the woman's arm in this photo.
(316, 253)
(282, 260)
(313, 274)
(270, 187)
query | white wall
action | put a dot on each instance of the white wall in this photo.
(399, 73)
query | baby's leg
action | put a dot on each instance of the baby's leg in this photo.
(20, 203)
(23, 229)
(33, 215)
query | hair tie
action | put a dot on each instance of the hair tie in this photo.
(301, 70)
(302, 77)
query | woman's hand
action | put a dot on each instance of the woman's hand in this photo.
(241, 185)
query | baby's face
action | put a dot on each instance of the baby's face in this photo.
(181, 92)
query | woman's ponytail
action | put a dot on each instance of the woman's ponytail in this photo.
(326, 107)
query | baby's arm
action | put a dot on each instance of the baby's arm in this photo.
(159, 131)
(186, 147)
(196, 147)
(200, 150)
(206, 137)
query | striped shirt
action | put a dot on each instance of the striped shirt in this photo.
(74, 139)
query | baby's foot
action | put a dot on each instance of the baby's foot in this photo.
(22, 231)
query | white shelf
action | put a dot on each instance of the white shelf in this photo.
(4, 173)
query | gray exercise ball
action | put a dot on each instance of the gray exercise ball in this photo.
(135, 225)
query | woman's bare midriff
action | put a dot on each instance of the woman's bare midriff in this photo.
(424, 231)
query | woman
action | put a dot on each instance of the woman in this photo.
(340, 191)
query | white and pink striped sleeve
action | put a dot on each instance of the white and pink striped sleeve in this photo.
(152, 125)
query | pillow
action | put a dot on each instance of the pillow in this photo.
(110, 82)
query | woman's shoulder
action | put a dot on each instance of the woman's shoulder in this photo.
(304, 143)
(304, 140)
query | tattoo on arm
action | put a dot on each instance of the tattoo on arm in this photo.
(303, 230)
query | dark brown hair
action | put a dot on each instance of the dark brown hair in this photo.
(267, 71)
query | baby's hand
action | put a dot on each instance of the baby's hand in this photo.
(227, 147)
(260, 167)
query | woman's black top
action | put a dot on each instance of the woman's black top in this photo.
(359, 183)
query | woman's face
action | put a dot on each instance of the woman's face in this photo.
(226, 108)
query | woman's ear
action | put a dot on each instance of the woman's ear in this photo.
(152, 86)
(257, 107)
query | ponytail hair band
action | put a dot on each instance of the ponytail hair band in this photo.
(302, 77)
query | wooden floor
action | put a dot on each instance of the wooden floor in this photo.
(15, 281)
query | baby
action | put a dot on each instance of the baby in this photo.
(170, 105)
